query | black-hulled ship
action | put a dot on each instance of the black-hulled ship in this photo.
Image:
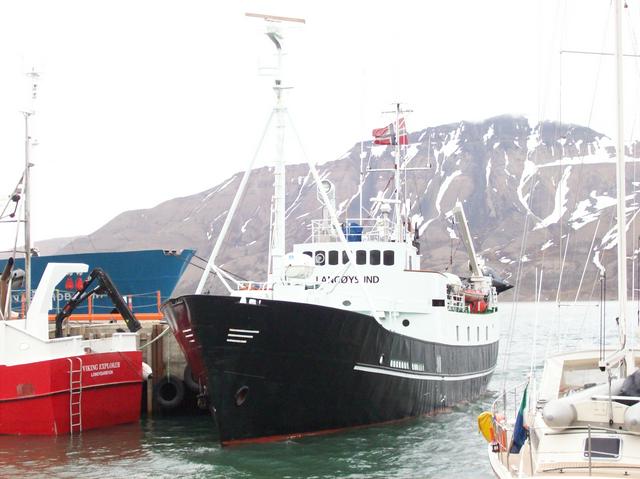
(347, 330)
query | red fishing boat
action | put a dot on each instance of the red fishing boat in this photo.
(63, 385)
(60, 385)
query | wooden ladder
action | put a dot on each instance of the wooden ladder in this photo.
(75, 394)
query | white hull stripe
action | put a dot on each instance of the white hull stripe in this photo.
(250, 331)
(233, 335)
(422, 377)
(242, 341)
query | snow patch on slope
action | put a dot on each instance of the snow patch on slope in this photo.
(588, 210)
(560, 203)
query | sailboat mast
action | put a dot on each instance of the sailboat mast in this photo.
(620, 183)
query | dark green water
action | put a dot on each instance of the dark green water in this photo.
(446, 445)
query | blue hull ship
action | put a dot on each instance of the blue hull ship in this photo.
(138, 275)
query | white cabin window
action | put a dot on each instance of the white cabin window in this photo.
(374, 257)
(486, 333)
(388, 257)
(478, 334)
(457, 333)
(468, 334)
(333, 257)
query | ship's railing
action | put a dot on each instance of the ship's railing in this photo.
(493, 299)
(505, 410)
(145, 307)
(370, 229)
(455, 302)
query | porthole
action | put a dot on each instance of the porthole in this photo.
(346, 302)
(405, 322)
(241, 395)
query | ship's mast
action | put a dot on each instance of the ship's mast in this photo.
(33, 76)
(279, 115)
(396, 164)
(278, 227)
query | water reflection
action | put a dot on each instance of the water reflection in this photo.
(21, 455)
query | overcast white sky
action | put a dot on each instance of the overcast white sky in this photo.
(143, 101)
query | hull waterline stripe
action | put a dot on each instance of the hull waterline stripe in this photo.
(236, 341)
(322, 432)
(249, 331)
(422, 377)
(233, 335)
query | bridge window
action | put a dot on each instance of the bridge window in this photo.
(320, 259)
(333, 257)
(308, 253)
(361, 257)
(345, 257)
(388, 257)
(374, 257)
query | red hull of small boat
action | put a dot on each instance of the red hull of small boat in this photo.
(36, 398)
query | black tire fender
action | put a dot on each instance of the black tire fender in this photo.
(189, 380)
(169, 392)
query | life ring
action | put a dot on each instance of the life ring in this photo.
(169, 392)
(189, 380)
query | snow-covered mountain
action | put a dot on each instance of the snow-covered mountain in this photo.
(530, 192)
